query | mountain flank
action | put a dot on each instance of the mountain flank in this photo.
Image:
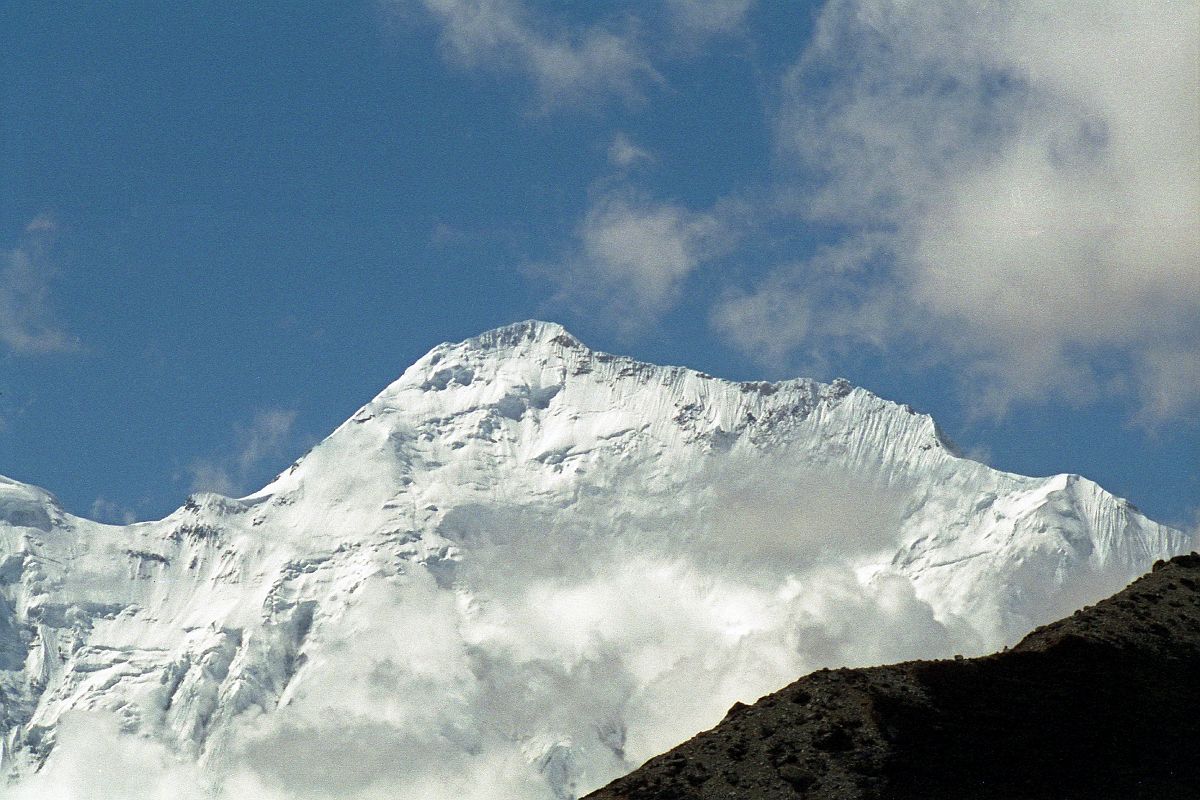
(1102, 704)
(524, 568)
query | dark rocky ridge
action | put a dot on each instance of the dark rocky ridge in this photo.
(1102, 704)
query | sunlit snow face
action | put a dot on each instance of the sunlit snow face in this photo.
(525, 568)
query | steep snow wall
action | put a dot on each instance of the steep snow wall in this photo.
(524, 568)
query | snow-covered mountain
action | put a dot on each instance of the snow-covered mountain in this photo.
(519, 571)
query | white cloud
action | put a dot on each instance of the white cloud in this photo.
(106, 510)
(28, 324)
(1035, 170)
(768, 323)
(264, 439)
(1169, 379)
(569, 66)
(700, 19)
(624, 154)
(43, 223)
(211, 475)
(831, 301)
(633, 257)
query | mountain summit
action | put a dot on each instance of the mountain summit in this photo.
(524, 568)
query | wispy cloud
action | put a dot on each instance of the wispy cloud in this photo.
(632, 257)
(106, 510)
(697, 20)
(804, 312)
(623, 153)
(566, 65)
(265, 438)
(28, 323)
(211, 475)
(1034, 169)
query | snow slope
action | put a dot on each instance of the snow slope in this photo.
(527, 566)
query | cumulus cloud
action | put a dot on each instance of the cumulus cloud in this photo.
(566, 65)
(265, 438)
(440, 704)
(1034, 169)
(752, 588)
(28, 323)
(633, 256)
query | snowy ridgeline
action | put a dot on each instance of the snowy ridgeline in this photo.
(518, 572)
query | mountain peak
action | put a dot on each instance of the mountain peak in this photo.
(23, 505)
(551, 518)
(531, 331)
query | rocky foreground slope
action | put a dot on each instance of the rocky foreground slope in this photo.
(1102, 704)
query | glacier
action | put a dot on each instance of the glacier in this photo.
(518, 572)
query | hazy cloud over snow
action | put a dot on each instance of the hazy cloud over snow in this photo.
(633, 255)
(94, 761)
(1035, 170)
(613, 647)
(565, 65)
(266, 437)
(28, 324)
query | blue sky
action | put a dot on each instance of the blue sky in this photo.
(224, 227)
